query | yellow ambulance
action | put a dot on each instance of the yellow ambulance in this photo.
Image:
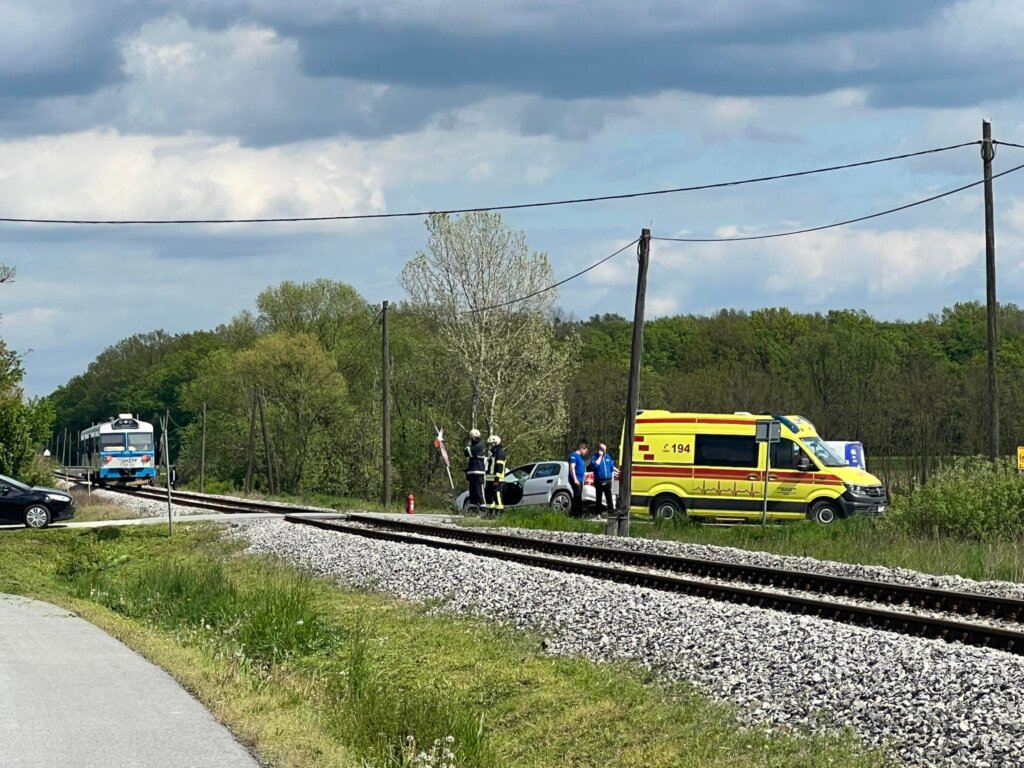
(710, 465)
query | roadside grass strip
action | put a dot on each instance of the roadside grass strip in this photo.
(307, 673)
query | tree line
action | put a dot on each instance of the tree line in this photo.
(462, 357)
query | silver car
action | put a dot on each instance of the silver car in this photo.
(545, 483)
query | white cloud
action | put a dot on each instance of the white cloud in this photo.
(811, 271)
(103, 174)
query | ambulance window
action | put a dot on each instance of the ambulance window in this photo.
(725, 451)
(786, 454)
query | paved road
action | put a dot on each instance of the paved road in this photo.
(71, 695)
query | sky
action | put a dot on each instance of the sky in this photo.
(253, 108)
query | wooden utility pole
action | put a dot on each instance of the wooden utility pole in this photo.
(987, 154)
(266, 441)
(202, 456)
(64, 453)
(164, 423)
(251, 450)
(385, 364)
(618, 524)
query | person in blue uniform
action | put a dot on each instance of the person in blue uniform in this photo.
(603, 466)
(577, 474)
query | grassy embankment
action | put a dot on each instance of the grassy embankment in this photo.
(312, 675)
(89, 508)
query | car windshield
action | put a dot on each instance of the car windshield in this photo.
(825, 453)
(519, 474)
(140, 441)
(5, 480)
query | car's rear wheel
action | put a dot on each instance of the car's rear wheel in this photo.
(823, 512)
(666, 508)
(561, 502)
(37, 516)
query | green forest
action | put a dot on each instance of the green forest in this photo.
(912, 392)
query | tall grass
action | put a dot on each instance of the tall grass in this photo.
(267, 617)
(973, 499)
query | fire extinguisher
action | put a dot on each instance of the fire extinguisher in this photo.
(410, 504)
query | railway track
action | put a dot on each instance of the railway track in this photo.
(736, 583)
(890, 605)
(225, 504)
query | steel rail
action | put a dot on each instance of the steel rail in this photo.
(877, 618)
(205, 501)
(964, 603)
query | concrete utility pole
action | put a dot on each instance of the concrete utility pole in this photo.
(202, 456)
(251, 450)
(987, 154)
(618, 524)
(267, 450)
(164, 423)
(385, 494)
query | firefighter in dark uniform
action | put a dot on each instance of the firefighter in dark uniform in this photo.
(475, 468)
(497, 460)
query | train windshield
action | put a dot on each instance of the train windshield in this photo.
(111, 442)
(140, 441)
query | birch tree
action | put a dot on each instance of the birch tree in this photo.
(514, 368)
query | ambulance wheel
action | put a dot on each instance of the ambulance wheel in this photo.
(823, 512)
(666, 508)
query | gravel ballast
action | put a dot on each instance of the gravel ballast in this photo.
(937, 703)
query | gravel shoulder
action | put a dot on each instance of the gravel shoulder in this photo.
(936, 703)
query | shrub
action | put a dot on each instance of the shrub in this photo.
(973, 499)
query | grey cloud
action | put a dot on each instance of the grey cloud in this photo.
(347, 68)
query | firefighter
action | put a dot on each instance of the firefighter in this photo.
(475, 468)
(496, 463)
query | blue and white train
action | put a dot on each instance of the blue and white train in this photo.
(120, 450)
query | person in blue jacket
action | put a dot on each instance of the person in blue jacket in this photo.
(577, 474)
(603, 466)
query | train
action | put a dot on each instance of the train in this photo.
(120, 451)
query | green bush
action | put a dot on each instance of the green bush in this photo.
(972, 499)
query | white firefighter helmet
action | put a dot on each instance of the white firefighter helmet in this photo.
(494, 440)
(474, 433)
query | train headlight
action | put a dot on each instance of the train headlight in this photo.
(107, 459)
(145, 459)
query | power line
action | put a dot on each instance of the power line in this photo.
(1009, 144)
(353, 354)
(551, 287)
(843, 223)
(480, 209)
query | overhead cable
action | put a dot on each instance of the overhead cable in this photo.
(843, 223)
(480, 209)
(1009, 144)
(551, 287)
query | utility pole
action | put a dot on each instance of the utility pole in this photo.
(987, 154)
(385, 494)
(202, 456)
(64, 453)
(618, 525)
(164, 423)
(266, 441)
(250, 452)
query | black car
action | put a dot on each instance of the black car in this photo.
(33, 507)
